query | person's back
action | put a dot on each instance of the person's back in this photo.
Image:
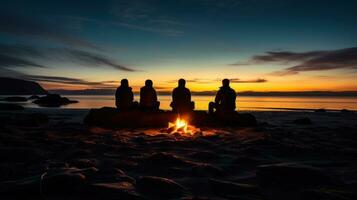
(181, 98)
(148, 97)
(225, 100)
(124, 96)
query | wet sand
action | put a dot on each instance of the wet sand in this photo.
(289, 155)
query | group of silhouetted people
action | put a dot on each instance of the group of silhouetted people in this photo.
(225, 100)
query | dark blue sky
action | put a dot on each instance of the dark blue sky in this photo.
(100, 41)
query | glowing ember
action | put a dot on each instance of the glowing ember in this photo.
(182, 127)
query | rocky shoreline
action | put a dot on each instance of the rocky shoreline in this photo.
(55, 155)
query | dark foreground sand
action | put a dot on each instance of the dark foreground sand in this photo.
(57, 157)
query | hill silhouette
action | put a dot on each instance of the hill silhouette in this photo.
(12, 86)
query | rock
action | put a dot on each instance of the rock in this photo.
(228, 189)
(206, 170)
(327, 194)
(11, 86)
(111, 118)
(291, 174)
(345, 111)
(165, 159)
(63, 184)
(15, 99)
(53, 100)
(33, 97)
(303, 121)
(10, 106)
(159, 187)
(121, 190)
(57, 184)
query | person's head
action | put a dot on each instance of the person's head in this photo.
(225, 82)
(124, 82)
(181, 82)
(148, 83)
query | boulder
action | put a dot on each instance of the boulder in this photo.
(227, 188)
(112, 118)
(10, 106)
(119, 190)
(159, 187)
(53, 100)
(291, 174)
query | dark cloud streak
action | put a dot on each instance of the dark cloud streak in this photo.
(18, 55)
(27, 26)
(311, 61)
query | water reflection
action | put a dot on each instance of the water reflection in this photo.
(243, 102)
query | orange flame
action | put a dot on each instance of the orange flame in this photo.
(182, 127)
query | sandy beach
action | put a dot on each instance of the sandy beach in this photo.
(289, 155)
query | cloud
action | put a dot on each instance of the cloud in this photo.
(70, 81)
(311, 60)
(19, 55)
(9, 61)
(28, 26)
(258, 80)
(232, 80)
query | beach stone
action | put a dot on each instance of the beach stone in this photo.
(15, 99)
(165, 159)
(159, 187)
(108, 117)
(303, 121)
(120, 190)
(10, 106)
(53, 100)
(63, 183)
(85, 163)
(291, 174)
(327, 194)
(206, 170)
(227, 188)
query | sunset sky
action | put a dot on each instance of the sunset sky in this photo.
(261, 45)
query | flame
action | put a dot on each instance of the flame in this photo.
(182, 127)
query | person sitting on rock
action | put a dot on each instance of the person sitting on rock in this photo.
(181, 98)
(148, 97)
(124, 96)
(225, 100)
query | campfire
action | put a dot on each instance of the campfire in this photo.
(182, 128)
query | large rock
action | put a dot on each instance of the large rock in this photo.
(291, 174)
(228, 189)
(11, 86)
(113, 118)
(159, 187)
(53, 100)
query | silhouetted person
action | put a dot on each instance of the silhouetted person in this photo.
(225, 100)
(124, 96)
(181, 98)
(148, 97)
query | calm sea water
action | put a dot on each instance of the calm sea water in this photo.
(243, 102)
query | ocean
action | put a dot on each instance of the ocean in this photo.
(246, 103)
